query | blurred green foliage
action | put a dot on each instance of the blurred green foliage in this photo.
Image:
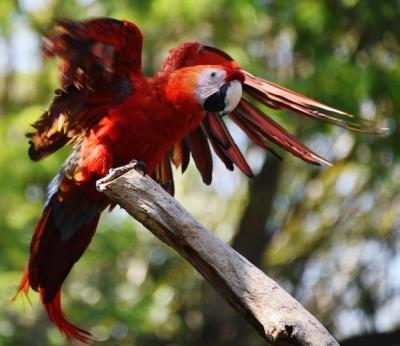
(336, 230)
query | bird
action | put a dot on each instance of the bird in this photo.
(112, 114)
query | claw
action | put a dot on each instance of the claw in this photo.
(116, 172)
(166, 185)
(141, 165)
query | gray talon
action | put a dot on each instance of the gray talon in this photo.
(114, 173)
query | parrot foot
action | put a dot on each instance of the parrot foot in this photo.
(139, 165)
(166, 185)
(116, 172)
(134, 164)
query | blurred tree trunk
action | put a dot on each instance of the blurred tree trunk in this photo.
(223, 326)
(374, 339)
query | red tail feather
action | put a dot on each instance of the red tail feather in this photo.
(56, 315)
(23, 286)
(52, 257)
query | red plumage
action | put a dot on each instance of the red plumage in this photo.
(113, 114)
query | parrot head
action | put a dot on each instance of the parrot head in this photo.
(219, 89)
(213, 88)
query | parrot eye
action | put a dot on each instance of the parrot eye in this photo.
(213, 74)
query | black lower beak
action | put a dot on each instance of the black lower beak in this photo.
(216, 101)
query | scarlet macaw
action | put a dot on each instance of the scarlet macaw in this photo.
(113, 115)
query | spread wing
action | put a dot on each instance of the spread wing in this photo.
(96, 58)
(259, 127)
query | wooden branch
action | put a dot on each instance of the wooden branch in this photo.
(276, 316)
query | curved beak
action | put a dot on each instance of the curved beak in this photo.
(225, 99)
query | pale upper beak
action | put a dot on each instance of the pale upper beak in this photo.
(233, 95)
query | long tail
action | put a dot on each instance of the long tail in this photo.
(52, 256)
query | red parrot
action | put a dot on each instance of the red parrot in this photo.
(113, 114)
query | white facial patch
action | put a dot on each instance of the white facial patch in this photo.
(233, 95)
(209, 82)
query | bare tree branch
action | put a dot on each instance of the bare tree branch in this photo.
(275, 315)
(222, 325)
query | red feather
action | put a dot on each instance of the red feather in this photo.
(227, 144)
(200, 149)
(56, 315)
(277, 134)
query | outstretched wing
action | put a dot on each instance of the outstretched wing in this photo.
(96, 59)
(258, 126)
